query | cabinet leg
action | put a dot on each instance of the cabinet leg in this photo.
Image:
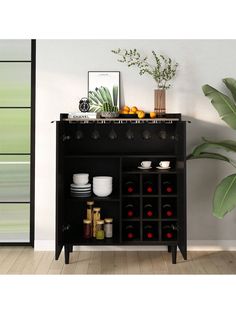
(169, 249)
(67, 253)
(174, 252)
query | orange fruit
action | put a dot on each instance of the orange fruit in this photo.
(126, 108)
(131, 112)
(153, 115)
(141, 114)
(134, 109)
(124, 112)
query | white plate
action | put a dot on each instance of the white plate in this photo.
(80, 189)
(80, 192)
(80, 186)
(143, 168)
(161, 168)
(86, 195)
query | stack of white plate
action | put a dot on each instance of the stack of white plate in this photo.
(80, 190)
(102, 186)
(80, 186)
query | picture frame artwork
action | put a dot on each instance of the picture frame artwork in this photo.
(103, 90)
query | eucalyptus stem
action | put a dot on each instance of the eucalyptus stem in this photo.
(163, 71)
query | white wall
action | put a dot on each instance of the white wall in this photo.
(62, 67)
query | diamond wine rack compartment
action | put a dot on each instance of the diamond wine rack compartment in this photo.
(147, 206)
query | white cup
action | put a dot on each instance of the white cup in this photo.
(164, 164)
(146, 164)
(80, 178)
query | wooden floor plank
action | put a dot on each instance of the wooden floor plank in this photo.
(24, 260)
(70, 268)
(145, 262)
(196, 265)
(45, 263)
(171, 268)
(159, 265)
(56, 266)
(133, 266)
(205, 262)
(94, 266)
(120, 261)
(83, 262)
(107, 262)
(10, 259)
(32, 263)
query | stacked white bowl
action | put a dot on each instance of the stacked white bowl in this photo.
(102, 186)
(80, 186)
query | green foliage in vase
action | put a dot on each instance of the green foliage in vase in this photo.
(101, 99)
(162, 70)
(224, 199)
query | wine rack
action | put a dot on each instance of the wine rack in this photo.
(148, 207)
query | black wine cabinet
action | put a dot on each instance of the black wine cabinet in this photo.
(148, 206)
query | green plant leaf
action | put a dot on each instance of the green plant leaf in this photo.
(231, 85)
(228, 145)
(108, 95)
(102, 95)
(209, 155)
(225, 196)
(115, 95)
(223, 105)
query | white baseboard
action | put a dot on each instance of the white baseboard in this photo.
(193, 245)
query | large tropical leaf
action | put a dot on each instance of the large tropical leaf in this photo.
(209, 155)
(231, 85)
(225, 196)
(228, 145)
(223, 104)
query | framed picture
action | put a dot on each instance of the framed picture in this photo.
(104, 90)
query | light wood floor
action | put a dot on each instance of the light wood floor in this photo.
(24, 260)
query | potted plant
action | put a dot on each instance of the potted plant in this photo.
(224, 199)
(101, 101)
(163, 71)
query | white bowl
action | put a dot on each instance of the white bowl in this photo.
(80, 178)
(102, 179)
(102, 193)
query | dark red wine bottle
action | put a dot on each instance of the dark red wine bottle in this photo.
(148, 211)
(130, 232)
(169, 232)
(130, 211)
(167, 187)
(130, 187)
(148, 232)
(148, 187)
(167, 211)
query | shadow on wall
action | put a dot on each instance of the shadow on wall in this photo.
(202, 178)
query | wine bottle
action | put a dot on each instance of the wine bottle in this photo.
(129, 211)
(130, 232)
(167, 187)
(148, 187)
(169, 232)
(167, 211)
(148, 211)
(130, 187)
(148, 232)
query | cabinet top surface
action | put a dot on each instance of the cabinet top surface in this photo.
(168, 118)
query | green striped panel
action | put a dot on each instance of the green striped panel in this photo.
(14, 179)
(14, 130)
(15, 84)
(14, 222)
